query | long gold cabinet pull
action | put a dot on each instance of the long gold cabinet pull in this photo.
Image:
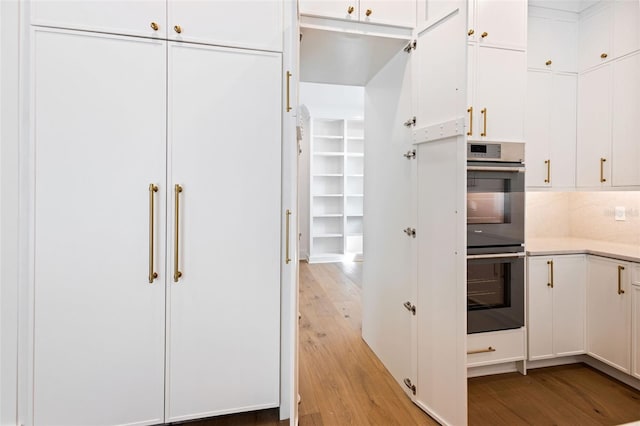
(481, 351)
(620, 269)
(176, 272)
(288, 91)
(602, 161)
(287, 236)
(152, 190)
(548, 163)
(550, 283)
(483, 111)
(470, 111)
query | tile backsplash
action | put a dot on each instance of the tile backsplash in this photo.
(584, 215)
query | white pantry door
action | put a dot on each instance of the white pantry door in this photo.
(225, 119)
(99, 142)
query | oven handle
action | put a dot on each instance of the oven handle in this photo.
(495, 256)
(495, 169)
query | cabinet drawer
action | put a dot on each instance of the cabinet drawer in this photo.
(495, 347)
(635, 273)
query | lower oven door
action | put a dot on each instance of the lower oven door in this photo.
(495, 292)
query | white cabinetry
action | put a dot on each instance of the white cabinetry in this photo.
(337, 188)
(609, 312)
(550, 129)
(498, 23)
(552, 44)
(635, 327)
(103, 324)
(248, 24)
(556, 300)
(496, 347)
(398, 13)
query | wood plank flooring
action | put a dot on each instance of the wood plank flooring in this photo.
(343, 383)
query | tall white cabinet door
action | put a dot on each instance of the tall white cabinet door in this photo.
(608, 313)
(119, 17)
(626, 126)
(569, 304)
(502, 82)
(537, 128)
(594, 128)
(253, 24)
(540, 302)
(595, 36)
(626, 28)
(225, 151)
(505, 22)
(99, 141)
(562, 130)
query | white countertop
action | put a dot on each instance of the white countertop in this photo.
(554, 246)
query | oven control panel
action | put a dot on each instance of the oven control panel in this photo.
(511, 152)
(484, 150)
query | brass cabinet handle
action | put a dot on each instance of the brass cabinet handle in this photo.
(548, 163)
(620, 269)
(471, 32)
(152, 190)
(176, 272)
(550, 283)
(481, 351)
(288, 91)
(177, 29)
(470, 111)
(483, 111)
(154, 26)
(549, 62)
(602, 161)
(350, 10)
(484, 34)
(288, 220)
(368, 12)
(604, 56)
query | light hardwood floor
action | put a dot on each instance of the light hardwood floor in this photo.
(343, 383)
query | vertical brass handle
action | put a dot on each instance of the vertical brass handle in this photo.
(288, 220)
(481, 351)
(288, 91)
(484, 34)
(176, 221)
(368, 12)
(152, 190)
(177, 29)
(548, 163)
(350, 10)
(620, 269)
(602, 161)
(550, 283)
(483, 111)
(154, 26)
(470, 111)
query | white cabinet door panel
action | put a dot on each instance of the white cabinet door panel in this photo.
(626, 28)
(625, 122)
(254, 24)
(539, 41)
(564, 46)
(389, 12)
(562, 130)
(99, 138)
(595, 36)
(504, 21)
(331, 8)
(225, 151)
(540, 312)
(117, 17)
(537, 127)
(569, 304)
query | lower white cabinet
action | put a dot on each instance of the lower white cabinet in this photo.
(495, 347)
(112, 342)
(609, 312)
(556, 298)
(635, 328)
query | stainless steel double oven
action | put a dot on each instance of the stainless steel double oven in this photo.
(495, 236)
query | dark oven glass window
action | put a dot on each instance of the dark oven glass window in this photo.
(488, 200)
(488, 285)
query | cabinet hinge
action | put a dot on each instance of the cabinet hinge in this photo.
(411, 308)
(407, 383)
(411, 232)
(410, 155)
(410, 122)
(411, 46)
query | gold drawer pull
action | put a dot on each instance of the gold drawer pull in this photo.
(287, 236)
(152, 190)
(470, 111)
(602, 161)
(483, 111)
(620, 269)
(481, 351)
(550, 283)
(176, 271)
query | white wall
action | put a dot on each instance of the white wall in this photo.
(9, 202)
(324, 100)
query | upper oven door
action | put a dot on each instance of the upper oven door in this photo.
(495, 205)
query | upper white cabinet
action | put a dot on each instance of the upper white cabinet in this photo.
(496, 94)
(552, 44)
(556, 300)
(609, 312)
(247, 24)
(626, 28)
(398, 13)
(550, 129)
(498, 23)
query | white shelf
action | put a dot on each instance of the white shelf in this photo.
(355, 176)
(355, 215)
(329, 154)
(355, 195)
(355, 234)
